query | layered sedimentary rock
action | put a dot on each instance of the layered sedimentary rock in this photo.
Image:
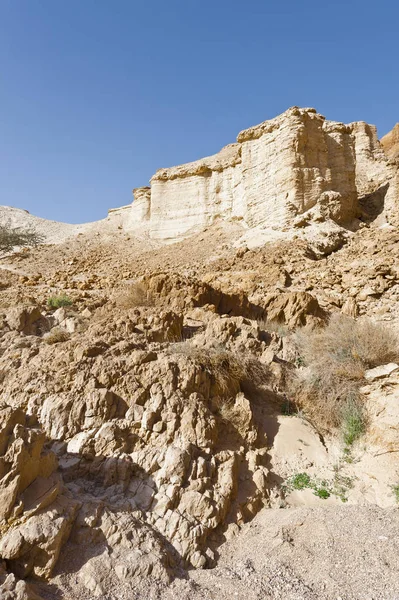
(276, 171)
(377, 178)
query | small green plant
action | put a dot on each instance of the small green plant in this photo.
(299, 361)
(322, 492)
(300, 481)
(353, 422)
(395, 489)
(321, 488)
(59, 301)
(341, 485)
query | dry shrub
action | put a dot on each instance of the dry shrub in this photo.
(134, 295)
(345, 340)
(336, 358)
(228, 370)
(280, 329)
(57, 334)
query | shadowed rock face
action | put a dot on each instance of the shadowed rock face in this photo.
(276, 171)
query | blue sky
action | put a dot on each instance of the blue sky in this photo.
(95, 95)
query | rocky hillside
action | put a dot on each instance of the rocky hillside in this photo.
(210, 418)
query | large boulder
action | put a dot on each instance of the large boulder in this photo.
(35, 518)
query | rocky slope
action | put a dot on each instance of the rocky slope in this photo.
(151, 437)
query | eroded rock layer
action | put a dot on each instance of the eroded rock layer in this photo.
(276, 171)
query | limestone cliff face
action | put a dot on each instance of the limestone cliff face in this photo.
(275, 172)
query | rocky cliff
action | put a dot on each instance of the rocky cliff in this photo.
(276, 171)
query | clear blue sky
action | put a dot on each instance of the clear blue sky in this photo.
(97, 94)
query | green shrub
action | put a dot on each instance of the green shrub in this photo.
(11, 237)
(353, 423)
(321, 488)
(322, 493)
(300, 481)
(59, 301)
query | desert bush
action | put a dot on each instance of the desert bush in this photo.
(59, 301)
(136, 294)
(228, 369)
(336, 358)
(353, 422)
(280, 329)
(55, 335)
(11, 237)
(351, 344)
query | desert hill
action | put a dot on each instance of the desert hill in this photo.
(199, 393)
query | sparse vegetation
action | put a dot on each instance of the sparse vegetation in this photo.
(300, 481)
(395, 489)
(13, 237)
(322, 493)
(303, 481)
(321, 488)
(56, 335)
(59, 301)
(341, 485)
(287, 407)
(336, 358)
(228, 369)
(134, 295)
(274, 327)
(352, 345)
(353, 422)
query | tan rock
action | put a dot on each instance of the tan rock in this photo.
(381, 372)
(390, 142)
(24, 319)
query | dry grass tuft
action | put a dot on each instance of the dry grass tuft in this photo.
(135, 295)
(336, 358)
(56, 335)
(229, 370)
(280, 329)
(345, 341)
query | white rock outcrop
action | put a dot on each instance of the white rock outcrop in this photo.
(276, 171)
